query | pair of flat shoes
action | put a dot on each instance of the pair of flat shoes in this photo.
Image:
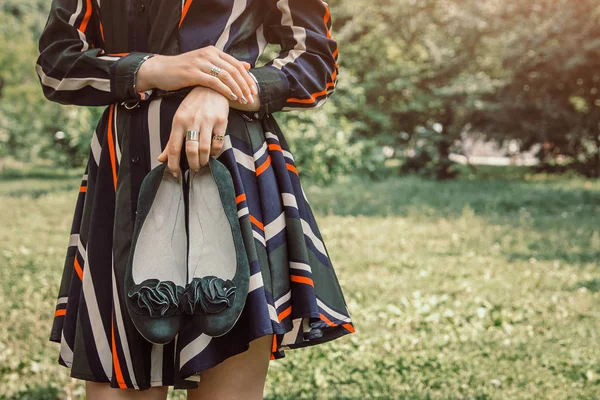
(201, 273)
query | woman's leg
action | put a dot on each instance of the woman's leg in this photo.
(241, 377)
(103, 391)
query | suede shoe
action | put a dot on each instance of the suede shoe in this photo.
(156, 271)
(218, 268)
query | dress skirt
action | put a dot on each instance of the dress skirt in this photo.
(294, 292)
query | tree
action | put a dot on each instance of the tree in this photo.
(29, 122)
(550, 93)
(416, 69)
(415, 75)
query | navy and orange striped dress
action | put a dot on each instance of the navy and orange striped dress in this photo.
(90, 51)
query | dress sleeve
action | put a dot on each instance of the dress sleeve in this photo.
(304, 74)
(72, 66)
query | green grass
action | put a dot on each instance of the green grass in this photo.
(481, 288)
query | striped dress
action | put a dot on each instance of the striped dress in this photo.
(90, 51)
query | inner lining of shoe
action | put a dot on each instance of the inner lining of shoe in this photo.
(212, 250)
(161, 246)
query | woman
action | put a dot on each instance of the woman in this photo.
(163, 69)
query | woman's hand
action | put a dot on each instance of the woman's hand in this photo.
(205, 111)
(193, 69)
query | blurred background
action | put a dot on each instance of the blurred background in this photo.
(454, 174)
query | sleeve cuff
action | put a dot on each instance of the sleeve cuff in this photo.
(125, 75)
(273, 89)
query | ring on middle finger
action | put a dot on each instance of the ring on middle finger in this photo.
(214, 71)
(191, 135)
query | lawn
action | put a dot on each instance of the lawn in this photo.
(480, 288)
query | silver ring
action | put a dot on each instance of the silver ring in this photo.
(191, 135)
(214, 71)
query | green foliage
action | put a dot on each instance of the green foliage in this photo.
(461, 289)
(550, 86)
(504, 69)
(323, 148)
(425, 158)
(28, 122)
(36, 393)
(414, 77)
(415, 69)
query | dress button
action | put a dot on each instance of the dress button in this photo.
(135, 159)
(142, 9)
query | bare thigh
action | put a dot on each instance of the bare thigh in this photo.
(103, 391)
(239, 377)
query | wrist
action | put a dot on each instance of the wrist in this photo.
(148, 70)
(209, 94)
(255, 107)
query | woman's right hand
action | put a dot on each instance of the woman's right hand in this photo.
(193, 69)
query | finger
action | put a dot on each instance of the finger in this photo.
(191, 151)
(234, 73)
(252, 81)
(204, 146)
(217, 145)
(163, 156)
(215, 84)
(224, 76)
(239, 65)
(175, 143)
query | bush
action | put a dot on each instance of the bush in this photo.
(324, 148)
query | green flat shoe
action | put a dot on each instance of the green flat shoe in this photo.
(155, 276)
(218, 268)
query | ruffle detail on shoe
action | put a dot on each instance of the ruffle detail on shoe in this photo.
(208, 295)
(156, 298)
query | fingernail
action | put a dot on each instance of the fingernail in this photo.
(174, 174)
(233, 96)
(244, 100)
(254, 89)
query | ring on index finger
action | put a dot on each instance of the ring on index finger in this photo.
(214, 71)
(191, 135)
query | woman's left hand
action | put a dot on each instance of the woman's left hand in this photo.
(205, 111)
